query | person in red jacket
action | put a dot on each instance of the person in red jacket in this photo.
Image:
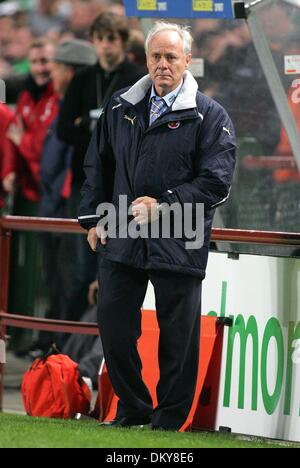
(6, 147)
(36, 109)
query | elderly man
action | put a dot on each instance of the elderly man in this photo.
(160, 143)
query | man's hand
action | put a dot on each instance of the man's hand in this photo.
(9, 182)
(144, 210)
(93, 290)
(94, 235)
(15, 131)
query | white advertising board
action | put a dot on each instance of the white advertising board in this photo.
(260, 381)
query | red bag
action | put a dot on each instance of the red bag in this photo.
(53, 388)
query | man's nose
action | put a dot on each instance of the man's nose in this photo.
(162, 63)
(43, 69)
(106, 43)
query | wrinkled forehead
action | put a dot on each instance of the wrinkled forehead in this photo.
(168, 41)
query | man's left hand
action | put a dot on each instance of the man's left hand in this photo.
(144, 210)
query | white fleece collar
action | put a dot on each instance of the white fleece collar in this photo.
(186, 98)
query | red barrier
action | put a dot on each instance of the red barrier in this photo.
(14, 223)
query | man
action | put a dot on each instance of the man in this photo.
(36, 109)
(56, 162)
(93, 87)
(160, 142)
(70, 57)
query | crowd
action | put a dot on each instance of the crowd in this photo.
(61, 61)
(73, 69)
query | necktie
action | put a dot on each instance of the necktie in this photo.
(158, 107)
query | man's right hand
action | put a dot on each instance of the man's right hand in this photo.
(94, 235)
(9, 182)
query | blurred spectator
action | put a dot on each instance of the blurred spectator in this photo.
(82, 16)
(46, 17)
(6, 34)
(17, 49)
(56, 157)
(56, 161)
(234, 77)
(36, 109)
(6, 147)
(92, 88)
(136, 48)
(116, 8)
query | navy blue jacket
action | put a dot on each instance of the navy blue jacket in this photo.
(56, 161)
(186, 156)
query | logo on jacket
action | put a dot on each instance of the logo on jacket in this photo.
(131, 120)
(227, 130)
(174, 125)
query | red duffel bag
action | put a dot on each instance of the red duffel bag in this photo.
(53, 388)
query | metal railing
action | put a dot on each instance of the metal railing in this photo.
(9, 224)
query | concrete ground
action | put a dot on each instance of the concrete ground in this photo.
(14, 371)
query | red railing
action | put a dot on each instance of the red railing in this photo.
(13, 223)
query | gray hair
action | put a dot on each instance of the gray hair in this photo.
(183, 32)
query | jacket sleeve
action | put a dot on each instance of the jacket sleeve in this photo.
(10, 160)
(99, 168)
(214, 164)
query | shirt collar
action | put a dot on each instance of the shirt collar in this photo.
(168, 98)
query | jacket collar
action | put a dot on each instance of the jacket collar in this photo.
(37, 92)
(186, 98)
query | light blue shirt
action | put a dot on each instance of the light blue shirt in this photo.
(168, 98)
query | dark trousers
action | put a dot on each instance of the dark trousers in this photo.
(178, 304)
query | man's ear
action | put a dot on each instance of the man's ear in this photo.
(188, 60)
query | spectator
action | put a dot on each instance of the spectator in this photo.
(46, 17)
(55, 180)
(136, 48)
(81, 16)
(56, 158)
(245, 92)
(17, 50)
(36, 109)
(93, 87)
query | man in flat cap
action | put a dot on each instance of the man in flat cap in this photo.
(70, 57)
(56, 161)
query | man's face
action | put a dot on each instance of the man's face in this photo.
(39, 65)
(109, 47)
(166, 61)
(61, 76)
